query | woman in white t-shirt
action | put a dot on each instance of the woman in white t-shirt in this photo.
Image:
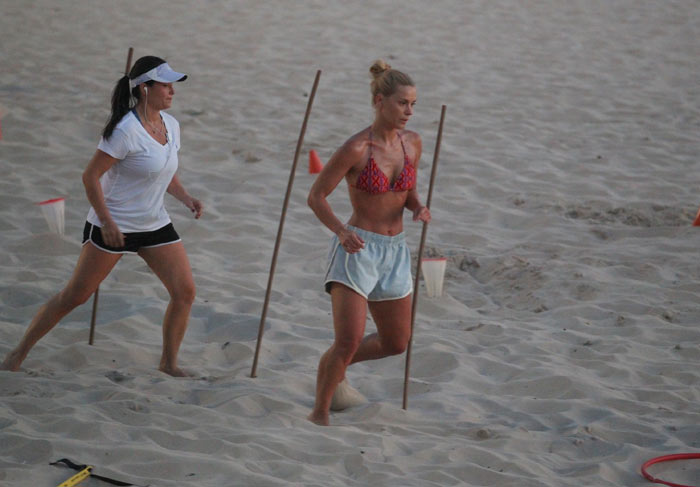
(125, 181)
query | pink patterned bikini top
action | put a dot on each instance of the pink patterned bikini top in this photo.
(374, 181)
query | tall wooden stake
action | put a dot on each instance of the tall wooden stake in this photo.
(420, 256)
(128, 61)
(281, 225)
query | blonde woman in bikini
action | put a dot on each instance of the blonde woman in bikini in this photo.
(369, 264)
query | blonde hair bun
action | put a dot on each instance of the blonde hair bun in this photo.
(378, 68)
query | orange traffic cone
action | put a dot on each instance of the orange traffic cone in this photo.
(315, 164)
(696, 223)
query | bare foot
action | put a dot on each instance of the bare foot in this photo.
(174, 371)
(11, 362)
(319, 419)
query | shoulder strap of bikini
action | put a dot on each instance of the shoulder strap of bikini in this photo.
(403, 148)
(370, 142)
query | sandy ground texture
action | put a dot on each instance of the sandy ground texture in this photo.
(565, 350)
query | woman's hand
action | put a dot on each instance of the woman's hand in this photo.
(351, 242)
(422, 213)
(176, 189)
(111, 235)
(195, 206)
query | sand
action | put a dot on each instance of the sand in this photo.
(565, 349)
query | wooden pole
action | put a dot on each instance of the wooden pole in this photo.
(128, 61)
(420, 256)
(281, 225)
(97, 291)
(95, 298)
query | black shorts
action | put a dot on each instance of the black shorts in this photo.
(132, 241)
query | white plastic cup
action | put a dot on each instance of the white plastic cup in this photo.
(433, 270)
(54, 214)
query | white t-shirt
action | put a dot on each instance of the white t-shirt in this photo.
(135, 186)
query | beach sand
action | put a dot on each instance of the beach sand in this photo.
(565, 350)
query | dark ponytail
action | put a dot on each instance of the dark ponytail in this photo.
(122, 94)
(121, 104)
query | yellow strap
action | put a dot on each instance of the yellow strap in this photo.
(77, 478)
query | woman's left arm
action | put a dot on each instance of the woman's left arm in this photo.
(420, 212)
(176, 189)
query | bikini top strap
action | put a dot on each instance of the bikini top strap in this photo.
(370, 142)
(403, 147)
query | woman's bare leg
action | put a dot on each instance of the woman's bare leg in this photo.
(92, 267)
(349, 315)
(393, 321)
(171, 265)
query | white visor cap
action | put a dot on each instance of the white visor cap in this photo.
(163, 73)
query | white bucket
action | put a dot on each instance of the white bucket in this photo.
(54, 211)
(433, 270)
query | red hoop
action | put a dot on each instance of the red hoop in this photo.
(667, 458)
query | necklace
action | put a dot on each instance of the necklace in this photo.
(158, 129)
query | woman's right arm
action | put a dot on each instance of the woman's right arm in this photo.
(98, 165)
(332, 174)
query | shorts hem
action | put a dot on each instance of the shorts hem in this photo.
(130, 251)
(346, 284)
(390, 299)
(89, 240)
(159, 245)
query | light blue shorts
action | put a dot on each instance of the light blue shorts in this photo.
(379, 272)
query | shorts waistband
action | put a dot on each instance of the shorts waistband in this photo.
(368, 236)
